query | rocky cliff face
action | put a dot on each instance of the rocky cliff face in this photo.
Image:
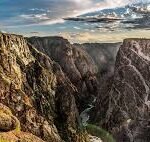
(77, 65)
(37, 91)
(103, 54)
(10, 128)
(127, 115)
(46, 82)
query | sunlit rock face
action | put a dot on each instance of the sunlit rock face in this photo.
(75, 62)
(21, 92)
(94, 139)
(127, 115)
(10, 129)
(38, 92)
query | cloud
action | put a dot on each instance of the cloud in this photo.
(77, 28)
(35, 17)
(44, 15)
(21, 12)
(39, 10)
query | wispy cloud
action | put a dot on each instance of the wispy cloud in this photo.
(44, 16)
(35, 17)
(38, 11)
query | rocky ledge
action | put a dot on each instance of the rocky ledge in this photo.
(126, 109)
(94, 139)
(39, 92)
(10, 130)
(46, 83)
(75, 62)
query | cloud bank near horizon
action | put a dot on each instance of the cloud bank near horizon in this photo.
(46, 12)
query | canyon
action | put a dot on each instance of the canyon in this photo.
(46, 83)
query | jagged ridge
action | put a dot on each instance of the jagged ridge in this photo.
(38, 92)
(127, 115)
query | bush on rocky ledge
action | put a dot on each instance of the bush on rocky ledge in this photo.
(99, 132)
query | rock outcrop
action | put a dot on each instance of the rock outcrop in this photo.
(26, 101)
(10, 128)
(128, 106)
(75, 62)
(19, 137)
(46, 82)
(103, 54)
(8, 122)
(37, 91)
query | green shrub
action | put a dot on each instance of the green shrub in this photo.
(99, 132)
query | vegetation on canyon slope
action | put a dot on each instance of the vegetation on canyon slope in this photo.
(99, 132)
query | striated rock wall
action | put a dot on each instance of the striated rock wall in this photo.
(127, 115)
(103, 54)
(17, 92)
(10, 128)
(38, 92)
(75, 62)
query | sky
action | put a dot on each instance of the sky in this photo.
(46, 17)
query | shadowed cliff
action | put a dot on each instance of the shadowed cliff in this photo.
(125, 110)
(75, 62)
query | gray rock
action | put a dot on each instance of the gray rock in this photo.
(128, 107)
